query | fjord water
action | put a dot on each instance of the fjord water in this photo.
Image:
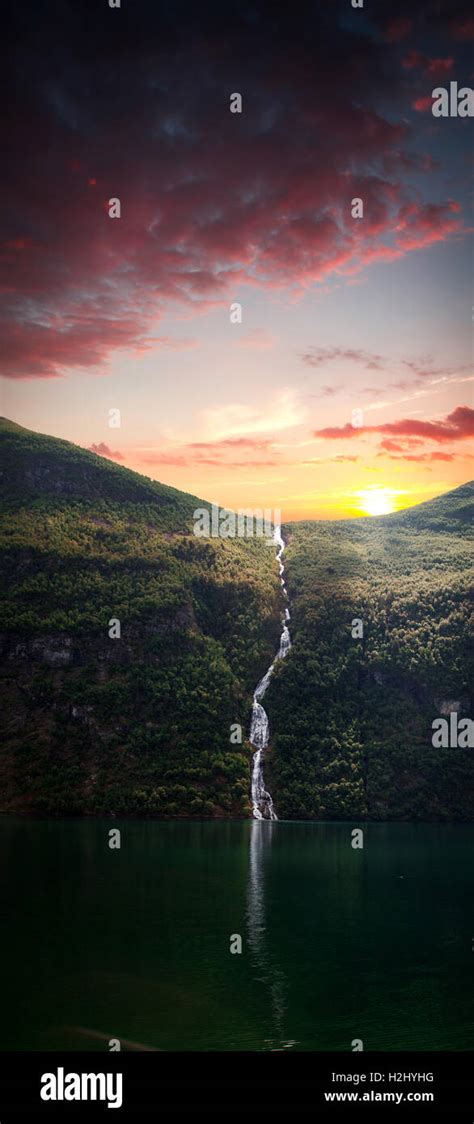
(134, 943)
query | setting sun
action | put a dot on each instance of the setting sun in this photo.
(377, 501)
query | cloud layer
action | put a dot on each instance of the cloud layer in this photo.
(409, 433)
(136, 106)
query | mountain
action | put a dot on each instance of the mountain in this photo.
(36, 466)
(141, 722)
(381, 648)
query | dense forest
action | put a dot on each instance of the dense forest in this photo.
(381, 647)
(146, 722)
(140, 722)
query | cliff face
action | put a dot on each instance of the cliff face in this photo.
(128, 647)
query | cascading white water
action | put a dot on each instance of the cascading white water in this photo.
(259, 732)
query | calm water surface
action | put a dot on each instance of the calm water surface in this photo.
(135, 943)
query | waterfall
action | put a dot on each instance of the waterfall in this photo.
(259, 730)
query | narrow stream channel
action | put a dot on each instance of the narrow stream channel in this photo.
(262, 802)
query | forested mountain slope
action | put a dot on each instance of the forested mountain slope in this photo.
(141, 723)
(138, 723)
(351, 715)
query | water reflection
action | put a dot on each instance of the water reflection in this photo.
(269, 972)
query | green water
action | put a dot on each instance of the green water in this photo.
(134, 943)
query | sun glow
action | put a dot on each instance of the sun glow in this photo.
(377, 501)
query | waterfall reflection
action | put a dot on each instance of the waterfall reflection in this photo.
(269, 973)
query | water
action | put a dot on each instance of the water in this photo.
(262, 803)
(135, 943)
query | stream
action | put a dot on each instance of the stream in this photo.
(262, 802)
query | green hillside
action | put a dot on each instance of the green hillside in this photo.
(139, 723)
(352, 716)
(37, 467)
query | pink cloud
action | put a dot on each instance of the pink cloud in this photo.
(439, 68)
(421, 458)
(267, 204)
(408, 443)
(321, 356)
(434, 68)
(74, 339)
(214, 453)
(174, 460)
(457, 426)
(422, 225)
(423, 104)
(103, 450)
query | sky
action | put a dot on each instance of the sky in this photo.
(342, 385)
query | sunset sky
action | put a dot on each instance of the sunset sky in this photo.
(338, 314)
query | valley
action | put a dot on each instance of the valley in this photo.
(130, 650)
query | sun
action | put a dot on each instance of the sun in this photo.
(377, 501)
